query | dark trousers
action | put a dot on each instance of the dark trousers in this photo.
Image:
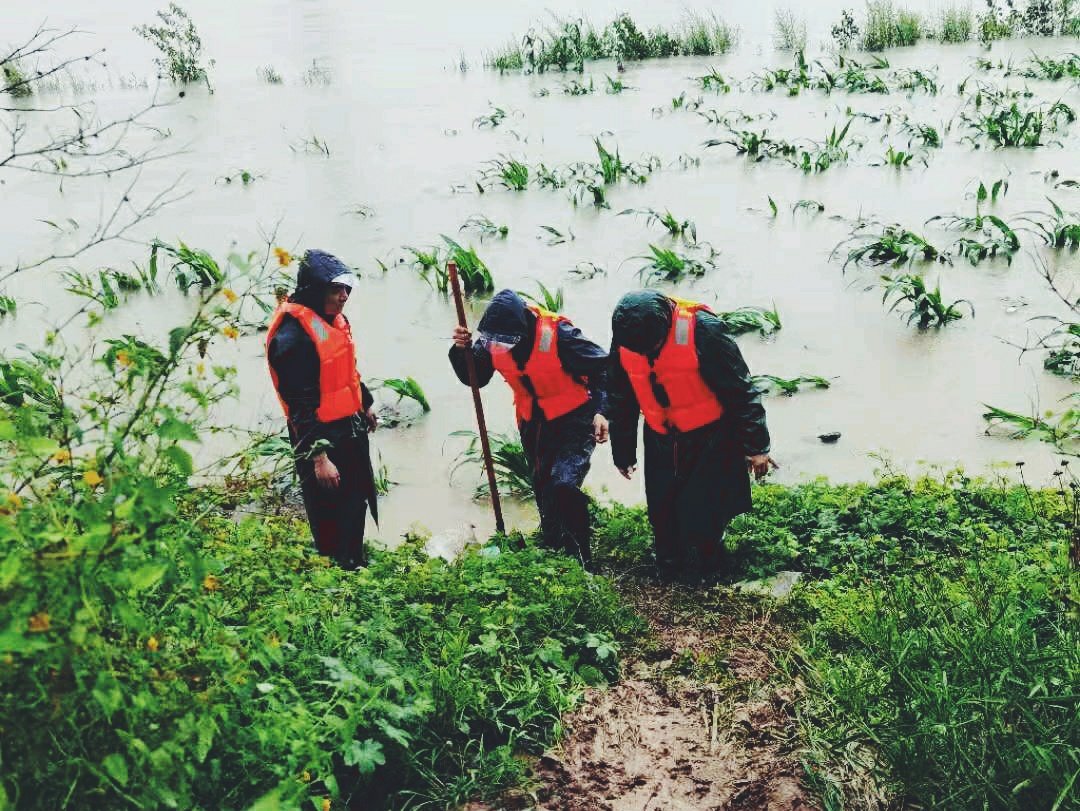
(338, 517)
(560, 454)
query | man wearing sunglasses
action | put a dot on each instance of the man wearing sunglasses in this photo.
(312, 358)
(674, 362)
(558, 379)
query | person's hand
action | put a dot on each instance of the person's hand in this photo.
(760, 465)
(326, 472)
(462, 338)
(600, 428)
(372, 419)
(627, 472)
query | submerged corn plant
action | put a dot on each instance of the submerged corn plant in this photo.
(492, 119)
(407, 388)
(714, 81)
(1060, 429)
(615, 86)
(992, 236)
(1013, 125)
(555, 236)
(926, 135)
(892, 244)
(789, 386)
(429, 266)
(484, 227)
(756, 145)
(513, 473)
(1058, 228)
(474, 274)
(666, 265)
(507, 172)
(750, 319)
(927, 307)
(820, 155)
(914, 79)
(1063, 343)
(676, 228)
(551, 300)
(1050, 69)
(110, 287)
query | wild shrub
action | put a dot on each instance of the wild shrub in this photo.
(846, 32)
(955, 24)
(177, 39)
(888, 27)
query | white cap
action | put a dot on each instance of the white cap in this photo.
(347, 279)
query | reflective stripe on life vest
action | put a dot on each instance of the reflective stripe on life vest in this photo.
(339, 382)
(543, 381)
(676, 371)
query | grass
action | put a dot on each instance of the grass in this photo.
(750, 319)
(892, 245)
(789, 386)
(666, 265)
(955, 24)
(513, 473)
(407, 388)
(887, 26)
(483, 227)
(927, 307)
(789, 31)
(676, 228)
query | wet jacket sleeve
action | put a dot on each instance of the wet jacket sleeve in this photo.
(296, 363)
(623, 412)
(482, 357)
(726, 373)
(585, 360)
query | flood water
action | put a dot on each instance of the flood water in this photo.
(397, 116)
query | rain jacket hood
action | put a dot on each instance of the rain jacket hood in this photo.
(508, 315)
(641, 321)
(317, 270)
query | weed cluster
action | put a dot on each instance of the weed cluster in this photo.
(888, 27)
(179, 44)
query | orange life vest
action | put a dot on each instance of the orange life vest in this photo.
(553, 389)
(692, 404)
(339, 382)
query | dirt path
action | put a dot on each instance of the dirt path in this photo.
(701, 720)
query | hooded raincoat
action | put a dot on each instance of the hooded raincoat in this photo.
(337, 517)
(695, 482)
(560, 450)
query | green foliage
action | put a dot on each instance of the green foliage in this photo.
(492, 119)
(110, 288)
(955, 24)
(676, 228)
(16, 83)
(180, 46)
(927, 306)
(429, 265)
(1060, 429)
(8, 306)
(888, 27)
(789, 386)
(513, 472)
(548, 299)
(892, 244)
(666, 265)
(819, 156)
(1050, 69)
(190, 268)
(992, 235)
(475, 276)
(509, 173)
(789, 31)
(484, 227)
(616, 86)
(754, 144)
(576, 88)
(714, 81)
(407, 388)
(1059, 229)
(750, 319)
(1007, 123)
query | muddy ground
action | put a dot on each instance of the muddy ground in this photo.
(701, 720)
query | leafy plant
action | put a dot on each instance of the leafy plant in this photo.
(191, 267)
(755, 145)
(484, 227)
(1055, 227)
(666, 265)
(16, 83)
(407, 388)
(789, 31)
(513, 472)
(713, 80)
(1050, 69)
(616, 86)
(846, 32)
(557, 237)
(475, 276)
(492, 119)
(893, 245)
(1060, 429)
(914, 79)
(677, 229)
(576, 88)
(889, 27)
(750, 319)
(927, 306)
(789, 386)
(1013, 125)
(819, 156)
(551, 300)
(312, 146)
(179, 44)
(955, 24)
(509, 173)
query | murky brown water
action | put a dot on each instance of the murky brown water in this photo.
(397, 117)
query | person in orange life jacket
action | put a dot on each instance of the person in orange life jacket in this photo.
(705, 426)
(558, 379)
(312, 358)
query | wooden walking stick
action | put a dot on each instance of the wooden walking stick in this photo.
(478, 404)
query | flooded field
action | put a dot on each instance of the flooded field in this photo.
(383, 89)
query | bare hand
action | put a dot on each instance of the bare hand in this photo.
(600, 429)
(326, 472)
(760, 465)
(462, 338)
(627, 472)
(372, 419)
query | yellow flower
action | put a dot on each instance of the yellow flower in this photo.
(305, 776)
(230, 296)
(92, 478)
(123, 358)
(39, 622)
(200, 369)
(273, 641)
(211, 583)
(326, 804)
(11, 503)
(283, 256)
(152, 644)
(62, 455)
(230, 332)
